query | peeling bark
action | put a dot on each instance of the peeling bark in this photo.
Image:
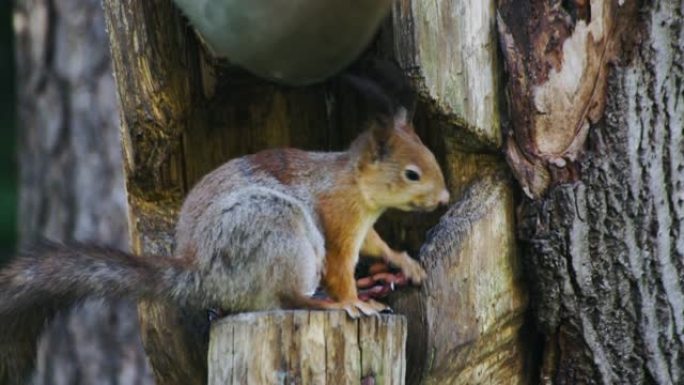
(556, 55)
(606, 254)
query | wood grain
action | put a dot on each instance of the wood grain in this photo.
(449, 47)
(465, 321)
(307, 347)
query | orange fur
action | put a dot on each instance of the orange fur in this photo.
(345, 221)
(349, 210)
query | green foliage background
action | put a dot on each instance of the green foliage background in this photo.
(8, 164)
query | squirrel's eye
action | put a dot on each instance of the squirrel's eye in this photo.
(412, 175)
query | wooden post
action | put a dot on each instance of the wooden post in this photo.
(307, 347)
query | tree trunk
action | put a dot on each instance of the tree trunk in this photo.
(71, 182)
(307, 347)
(606, 253)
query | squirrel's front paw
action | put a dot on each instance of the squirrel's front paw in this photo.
(356, 308)
(410, 267)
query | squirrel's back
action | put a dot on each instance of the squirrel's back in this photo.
(294, 173)
(252, 227)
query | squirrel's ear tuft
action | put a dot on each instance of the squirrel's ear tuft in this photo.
(379, 139)
(402, 120)
(390, 99)
(401, 117)
(379, 103)
(384, 87)
(392, 80)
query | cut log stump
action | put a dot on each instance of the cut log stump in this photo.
(307, 347)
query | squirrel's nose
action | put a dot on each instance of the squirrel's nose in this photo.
(443, 198)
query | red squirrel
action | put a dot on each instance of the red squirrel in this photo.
(260, 232)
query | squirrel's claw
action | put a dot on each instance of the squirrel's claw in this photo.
(411, 268)
(357, 308)
(371, 307)
(352, 311)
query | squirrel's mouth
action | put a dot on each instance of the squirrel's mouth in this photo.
(421, 208)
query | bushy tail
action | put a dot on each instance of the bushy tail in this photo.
(52, 277)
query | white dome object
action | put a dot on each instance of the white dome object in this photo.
(295, 42)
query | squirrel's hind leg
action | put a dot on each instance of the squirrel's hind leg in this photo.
(295, 293)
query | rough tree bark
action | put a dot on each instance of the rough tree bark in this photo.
(71, 181)
(605, 253)
(556, 55)
(185, 113)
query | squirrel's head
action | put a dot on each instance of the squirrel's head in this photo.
(396, 170)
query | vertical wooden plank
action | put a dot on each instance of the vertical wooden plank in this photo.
(343, 357)
(450, 48)
(384, 364)
(313, 343)
(465, 322)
